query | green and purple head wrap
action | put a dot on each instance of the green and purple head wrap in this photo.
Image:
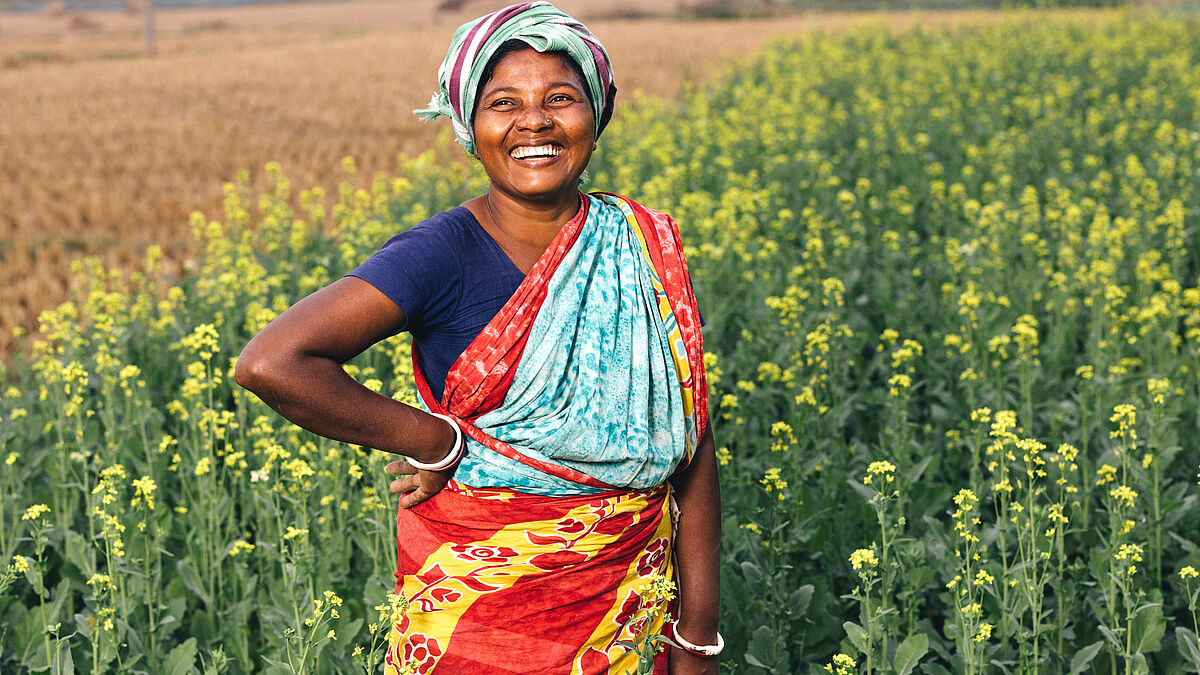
(538, 24)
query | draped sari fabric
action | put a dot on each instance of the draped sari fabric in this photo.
(582, 396)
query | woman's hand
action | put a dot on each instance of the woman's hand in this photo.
(416, 486)
(685, 663)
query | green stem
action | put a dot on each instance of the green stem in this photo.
(883, 567)
(1004, 566)
(967, 633)
(244, 633)
(42, 603)
(870, 626)
(1112, 591)
(1128, 637)
(1156, 559)
(1061, 596)
(1034, 593)
(150, 602)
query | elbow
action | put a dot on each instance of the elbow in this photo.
(252, 370)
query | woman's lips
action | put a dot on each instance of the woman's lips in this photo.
(527, 152)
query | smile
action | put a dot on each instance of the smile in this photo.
(535, 151)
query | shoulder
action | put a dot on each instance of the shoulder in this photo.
(422, 262)
(632, 209)
(448, 227)
(437, 245)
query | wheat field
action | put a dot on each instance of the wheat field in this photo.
(107, 149)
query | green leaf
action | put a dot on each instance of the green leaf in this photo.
(34, 576)
(181, 659)
(66, 664)
(914, 474)
(128, 634)
(909, 653)
(29, 627)
(190, 579)
(1111, 636)
(350, 629)
(865, 492)
(277, 666)
(76, 547)
(169, 621)
(800, 599)
(762, 644)
(755, 662)
(1189, 647)
(1084, 656)
(752, 572)
(858, 635)
(83, 626)
(1147, 629)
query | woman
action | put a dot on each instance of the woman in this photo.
(557, 349)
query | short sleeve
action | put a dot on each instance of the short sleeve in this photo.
(417, 270)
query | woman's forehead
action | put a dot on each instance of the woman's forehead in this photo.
(528, 66)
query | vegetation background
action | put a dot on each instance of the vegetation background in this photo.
(949, 263)
(107, 149)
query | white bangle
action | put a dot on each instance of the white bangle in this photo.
(706, 650)
(453, 456)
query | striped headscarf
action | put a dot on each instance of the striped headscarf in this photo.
(540, 25)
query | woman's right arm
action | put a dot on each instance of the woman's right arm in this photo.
(295, 366)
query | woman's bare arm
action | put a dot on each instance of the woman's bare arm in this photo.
(698, 556)
(294, 366)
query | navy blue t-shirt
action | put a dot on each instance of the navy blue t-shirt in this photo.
(450, 278)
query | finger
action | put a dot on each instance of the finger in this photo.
(406, 484)
(415, 497)
(399, 468)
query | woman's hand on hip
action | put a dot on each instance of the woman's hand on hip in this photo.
(685, 663)
(417, 486)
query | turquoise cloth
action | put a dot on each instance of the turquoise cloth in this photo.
(596, 388)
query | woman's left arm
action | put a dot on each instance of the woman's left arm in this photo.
(698, 557)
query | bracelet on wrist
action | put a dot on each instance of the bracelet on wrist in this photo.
(451, 458)
(703, 651)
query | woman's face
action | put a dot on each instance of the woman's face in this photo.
(534, 127)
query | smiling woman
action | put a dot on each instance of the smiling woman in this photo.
(534, 112)
(534, 134)
(562, 466)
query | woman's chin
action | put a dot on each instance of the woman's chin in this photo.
(540, 192)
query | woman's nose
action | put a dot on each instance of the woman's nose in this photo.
(534, 118)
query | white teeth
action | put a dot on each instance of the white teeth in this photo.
(527, 151)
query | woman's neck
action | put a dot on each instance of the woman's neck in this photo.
(523, 230)
(530, 222)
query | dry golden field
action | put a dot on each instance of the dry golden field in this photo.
(105, 149)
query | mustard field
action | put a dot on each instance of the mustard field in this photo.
(951, 280)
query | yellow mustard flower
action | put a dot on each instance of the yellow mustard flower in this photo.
(863, 558)
(35, 512)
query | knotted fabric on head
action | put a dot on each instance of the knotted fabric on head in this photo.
(538, 24)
